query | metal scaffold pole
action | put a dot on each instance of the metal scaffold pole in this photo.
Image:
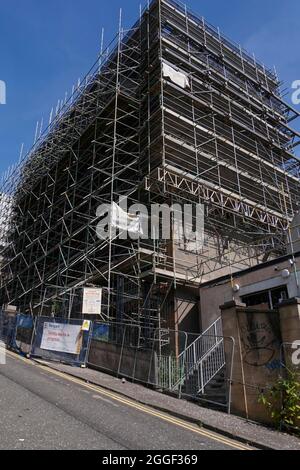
(171, 111)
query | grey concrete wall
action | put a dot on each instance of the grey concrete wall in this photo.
(127, 362)
(256, 363)
(289, 312)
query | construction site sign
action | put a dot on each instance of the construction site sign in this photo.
(92, 301)
(62, 337)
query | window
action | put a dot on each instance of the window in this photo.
(266, 299)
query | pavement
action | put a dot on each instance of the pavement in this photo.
(56, 407)
(230, 426)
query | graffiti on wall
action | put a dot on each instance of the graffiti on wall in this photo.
(260, 337)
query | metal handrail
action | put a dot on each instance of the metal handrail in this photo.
(215, 330)
(196, 353)
(209, 366)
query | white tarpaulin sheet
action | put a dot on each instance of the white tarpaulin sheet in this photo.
(180, 78)
(62, 337)
(92, 301)
(123, 221)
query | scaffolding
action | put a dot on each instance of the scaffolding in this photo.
(217, 134)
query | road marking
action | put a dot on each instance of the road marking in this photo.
(180, 423)
(96, 397)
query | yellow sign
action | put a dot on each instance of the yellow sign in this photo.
(86, 325)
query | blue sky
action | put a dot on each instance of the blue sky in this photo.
(45, 45)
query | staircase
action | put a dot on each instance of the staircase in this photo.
(216, 392)
(202, 367)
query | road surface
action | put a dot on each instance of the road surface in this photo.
(45, 409)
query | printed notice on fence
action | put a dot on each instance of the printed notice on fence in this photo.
(62, 338)
(92, 301)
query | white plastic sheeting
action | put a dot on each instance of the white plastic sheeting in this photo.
(179, 78)
(125, 221)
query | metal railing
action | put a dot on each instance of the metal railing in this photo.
(142, 354)
(199, 356)
(201, 374)
(204, 343)
(170, 372)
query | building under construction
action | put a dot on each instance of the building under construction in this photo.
(172, 112)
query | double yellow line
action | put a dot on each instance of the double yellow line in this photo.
(144, 409)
